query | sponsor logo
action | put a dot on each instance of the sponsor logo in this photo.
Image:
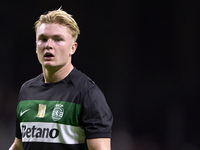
(22, 112)
(58, 112)
(39, 132)
(41, 110)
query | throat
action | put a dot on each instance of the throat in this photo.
(55, 75)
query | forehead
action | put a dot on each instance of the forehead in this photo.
(51, 29)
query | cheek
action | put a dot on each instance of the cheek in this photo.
(38, 51)
(64, 50)
(39, 47)
(39, 44)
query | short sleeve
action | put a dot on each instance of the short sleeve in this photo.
(96, 117)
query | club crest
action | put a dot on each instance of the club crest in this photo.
(58, 112)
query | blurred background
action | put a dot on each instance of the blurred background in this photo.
(144, 56)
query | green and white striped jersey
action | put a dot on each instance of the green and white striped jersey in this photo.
(62, 115)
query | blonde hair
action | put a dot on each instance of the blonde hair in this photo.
(60, 17)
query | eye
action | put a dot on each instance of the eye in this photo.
(58, 39)
(44, 39)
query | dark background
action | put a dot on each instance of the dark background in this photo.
(144, 56)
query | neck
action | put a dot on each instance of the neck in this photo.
(52, 75)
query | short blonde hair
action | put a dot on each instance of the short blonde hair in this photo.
(60, 17)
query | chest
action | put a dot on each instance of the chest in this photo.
(62, 112)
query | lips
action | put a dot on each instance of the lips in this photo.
(48, 55)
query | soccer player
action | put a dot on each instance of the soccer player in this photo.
(60, 109)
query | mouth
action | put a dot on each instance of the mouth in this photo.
(48, 55)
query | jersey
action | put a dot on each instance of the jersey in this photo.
(62, 115)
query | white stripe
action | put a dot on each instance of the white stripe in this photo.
(46, 132)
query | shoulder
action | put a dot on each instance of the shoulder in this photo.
(81, 81)
(28, 83)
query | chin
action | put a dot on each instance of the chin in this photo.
(48, 65)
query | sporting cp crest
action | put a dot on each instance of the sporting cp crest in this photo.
(58, 112)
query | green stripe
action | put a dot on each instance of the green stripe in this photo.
(70, 116)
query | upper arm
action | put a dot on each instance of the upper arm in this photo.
(97, 120)
(99, 144)
(17, 145)
(96, 117)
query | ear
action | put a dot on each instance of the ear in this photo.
(73, 48)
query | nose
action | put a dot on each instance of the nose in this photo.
(49, 44)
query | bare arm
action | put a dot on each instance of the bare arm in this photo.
(17, 145)
(99, 144)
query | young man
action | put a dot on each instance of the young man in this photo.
(61, 108)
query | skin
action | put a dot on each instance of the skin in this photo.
(56, 41)
(99, 144)
(17, 145)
